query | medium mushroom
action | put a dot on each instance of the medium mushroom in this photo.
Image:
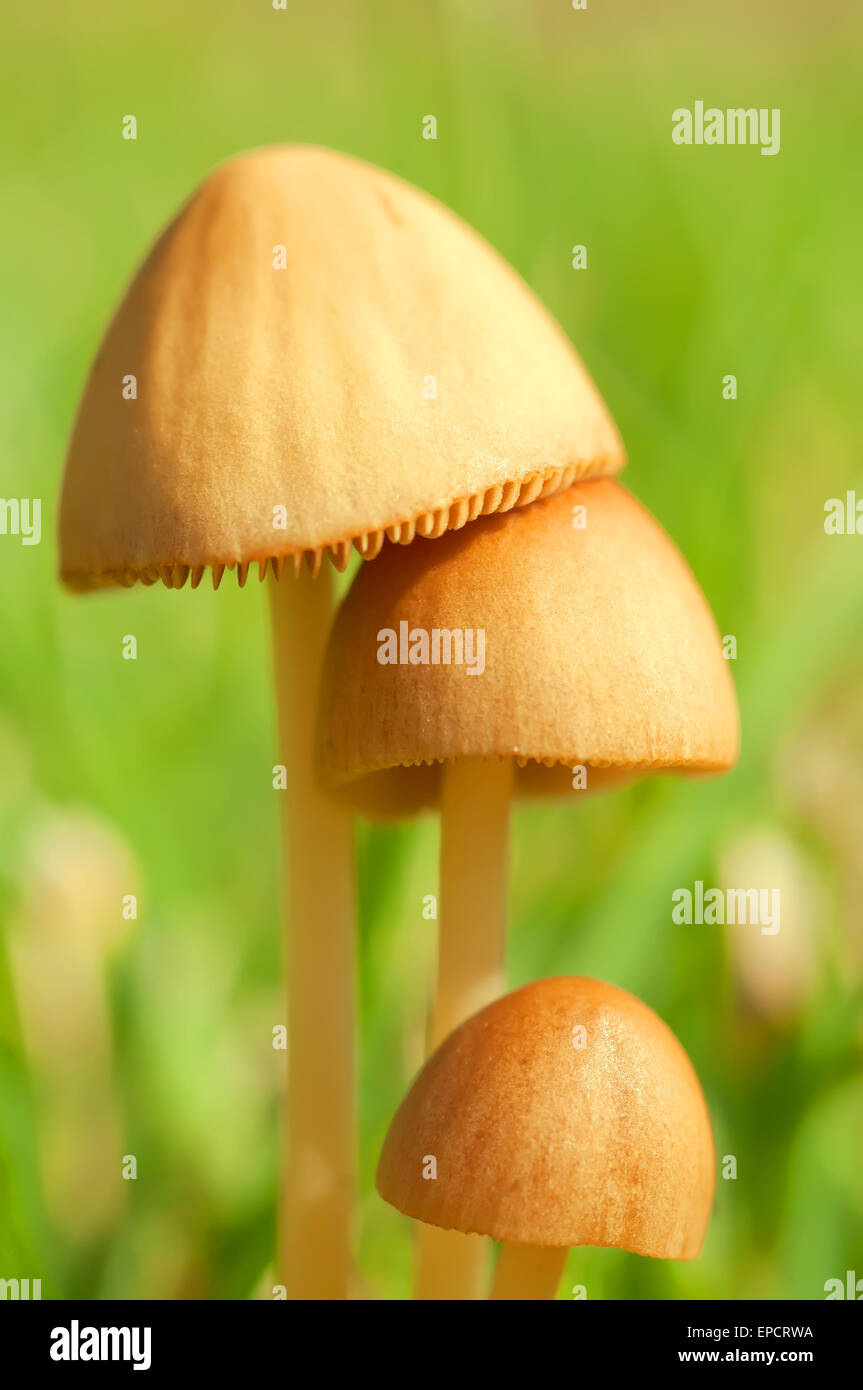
(600, 661)
(315, 356)
(566, 1113)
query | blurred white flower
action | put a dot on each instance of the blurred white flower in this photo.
(774, 973)
(821, 771)
(74, 870)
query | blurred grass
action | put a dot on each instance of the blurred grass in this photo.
(553, 129)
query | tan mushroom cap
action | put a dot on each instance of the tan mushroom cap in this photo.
(305, 387)
(544, 1135)
(600, 650)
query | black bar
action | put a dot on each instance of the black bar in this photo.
(297, 1342)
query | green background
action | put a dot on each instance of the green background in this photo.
(153, 1037)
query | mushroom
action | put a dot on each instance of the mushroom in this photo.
(601, 662)
(566, 1113)
(315, 356)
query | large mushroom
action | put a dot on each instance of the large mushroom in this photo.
(315, 356)
(600, 661)
(566, 1113)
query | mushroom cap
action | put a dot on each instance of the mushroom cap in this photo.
(600, 650)
(305, 387)
(543, 1142)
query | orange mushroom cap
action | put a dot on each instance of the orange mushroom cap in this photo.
(566, 1113)
(324, 356)
(599, 650)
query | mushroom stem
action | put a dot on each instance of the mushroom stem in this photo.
(318, 1168)
(473, 889)
(528, 1272)
(471, 953)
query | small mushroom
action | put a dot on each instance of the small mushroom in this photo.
(566, 1113)
(315, 356)
(600, 662)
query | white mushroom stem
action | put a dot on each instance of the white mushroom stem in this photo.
(318, 1170)
(473, 889)
(528, 1272)
(471, 970)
